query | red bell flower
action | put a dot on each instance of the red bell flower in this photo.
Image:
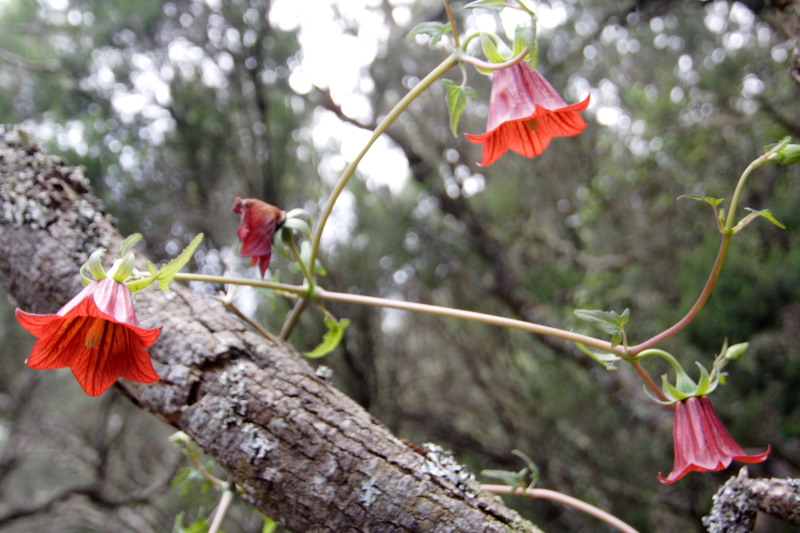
(525, 113)
(702, 444)
(96, 335)
(260, 221)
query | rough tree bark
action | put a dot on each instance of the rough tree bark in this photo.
(738, 502)
(303, 453)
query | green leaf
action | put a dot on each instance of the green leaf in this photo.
(606, 359)
(490, 49)
(456, 101)
(331, 339)
(495, 5)
(525, 36)
(765, 213)
(270, 525)
(536, 472)
(714, 202)
(168, 271)
(514, 479)
(607, 321)
(436, 31)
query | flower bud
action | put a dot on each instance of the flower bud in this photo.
(737, 351)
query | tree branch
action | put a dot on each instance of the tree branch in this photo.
(302, 452)
(738, 502)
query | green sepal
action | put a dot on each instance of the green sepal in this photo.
(787, 154)
(671, 391)
(123, 268)
(331, 339)
(168, 271)
(297, 225)
(95, 266)
(456, 101)
(606, 359)
(490, 49)
(435, 30)
(128, 244)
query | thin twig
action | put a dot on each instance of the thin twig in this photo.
(580, 505)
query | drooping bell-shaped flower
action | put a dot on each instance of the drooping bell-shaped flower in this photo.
(96, 335)
(702, 444)
(259, 222)
(525, 113)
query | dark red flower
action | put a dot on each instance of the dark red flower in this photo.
(96, 335)
(525, 113)
(260, 221)
(702, 444)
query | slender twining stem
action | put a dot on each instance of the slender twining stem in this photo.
(480, 63)
(260, 283)
(350, 170)
(552, 495)
(387, 121)
(224, 505)
(453, 27)
(317, 293)
(698, 305)
(472, 316)
(228, 304)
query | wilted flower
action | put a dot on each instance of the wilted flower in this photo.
(525, 113)
(260, 221)
(702, 444)
(96, 335)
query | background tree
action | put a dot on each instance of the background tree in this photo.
(176, 109)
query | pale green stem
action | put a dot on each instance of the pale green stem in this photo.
(260, 283)
(575, 503)
(318, 293)
(221, 511)
(350, 170)
(740, 186)
(306, 272)
(453, 27)
(387, 121)
(322, 294)
(698, 305)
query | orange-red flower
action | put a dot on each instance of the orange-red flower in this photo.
(702, 444)
(96, 335)
(525, 113)
(260, 221)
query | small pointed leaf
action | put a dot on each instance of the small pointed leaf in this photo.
(606, 359)
(766, 213)
(456, 101)
(714, 202)
(331, 339)
(168, 271)
(435, 30)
